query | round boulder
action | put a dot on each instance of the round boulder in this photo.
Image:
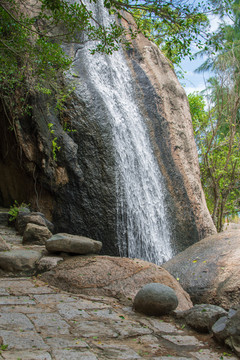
(155, 299)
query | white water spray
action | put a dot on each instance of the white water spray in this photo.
(142, 225)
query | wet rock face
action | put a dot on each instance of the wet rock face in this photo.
(164, 104)
(78, 190)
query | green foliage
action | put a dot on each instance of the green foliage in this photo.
(55, 147)
(15, 209)
(217, 137)
(174, 26)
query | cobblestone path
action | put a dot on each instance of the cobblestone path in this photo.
(39, 322)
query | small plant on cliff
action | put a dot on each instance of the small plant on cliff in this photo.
(15, 209)
(55, 146)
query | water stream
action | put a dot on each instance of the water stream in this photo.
(142, 225)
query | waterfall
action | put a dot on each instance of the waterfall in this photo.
(142, 224)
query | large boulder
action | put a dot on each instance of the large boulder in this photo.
(112, 276)
(73, 244)
(155, 299)
(209, 270)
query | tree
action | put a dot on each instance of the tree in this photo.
(31, 59)
(217, 131)
(217, 135)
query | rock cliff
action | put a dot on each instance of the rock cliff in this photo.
(78, 190)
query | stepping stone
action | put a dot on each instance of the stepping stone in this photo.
(23, 340)
(4, 216)
(48, 262)
(27, 355)
(73, 244)
(14, 321)
(3, 245)
(19, 261)
(73, 355)
(36, 234)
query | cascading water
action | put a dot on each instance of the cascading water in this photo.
(142, 225)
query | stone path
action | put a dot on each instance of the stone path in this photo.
(39, 322)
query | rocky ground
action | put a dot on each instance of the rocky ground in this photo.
(40, 322)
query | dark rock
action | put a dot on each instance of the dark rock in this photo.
(73, 244)
(79, 189)
(209, 270)
(4, 217)
(36, 234)
(227, 330)
(112, 276)
(34, 218)
(155, 299)
(202, 317)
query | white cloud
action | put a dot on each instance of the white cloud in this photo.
(191, 89)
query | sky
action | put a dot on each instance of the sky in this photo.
(192, 81)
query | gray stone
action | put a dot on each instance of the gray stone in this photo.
(47, 263)
(19, 261)
(160, 326)
(202, 317)
(155, 299)
(26, 218)
(25, 287)
(127, 328)
(3, 245)
(15, 321)
(121, 352)
(23, 340)
(70, 354)
(73, 244)
(173, 358)
(53, 298)
(27, 355)
(50, 323)
(227, 329)
(206, 354)
(71, 311)
(95, 329)
(36, 234)
(16, 300)
(59, 342)
(183, 340)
